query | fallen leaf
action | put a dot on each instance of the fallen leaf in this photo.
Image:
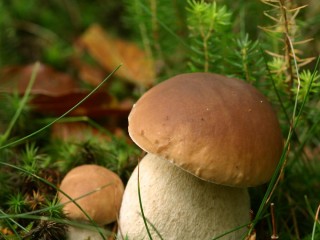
(92, 75)
(48, 81)
(100, 104)
(111, 52)
(76, 132)
(54, 93)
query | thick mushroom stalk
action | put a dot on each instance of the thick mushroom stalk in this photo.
(180, 205)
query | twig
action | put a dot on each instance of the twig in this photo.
(274, 226)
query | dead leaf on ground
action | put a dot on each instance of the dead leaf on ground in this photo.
(110, 52)
(76, 132)
(54, 93)
(97, 105)
(92, 75)
(48, 81)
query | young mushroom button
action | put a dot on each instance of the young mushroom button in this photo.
(97, 190)
(208, 138)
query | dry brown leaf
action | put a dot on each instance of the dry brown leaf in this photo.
(88, 73)
(75, 132)
(111, 52)
(54, 93)
(100, 104)
(48, 81)
(91, 75)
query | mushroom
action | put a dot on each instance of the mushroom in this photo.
(98, 191)
(208, 138)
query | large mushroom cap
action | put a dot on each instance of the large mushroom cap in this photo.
(96, 189)
(217, 128)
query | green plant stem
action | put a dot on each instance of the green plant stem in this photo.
(168, 29)
(57, 220)
(155, 28)
(11, 219)
(154, 228)
(284, 110)
(288, 45)
(233, 230)
(295, 120)
(205, 37)
(307, 137)
(43, 210)
(11, 227)
(143, 30)
(316, 220)
(141, 207)
(22, 103)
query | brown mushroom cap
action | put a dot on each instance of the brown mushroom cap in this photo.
(217, 128)
(102, 205)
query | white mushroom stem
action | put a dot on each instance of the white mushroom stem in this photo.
(180, 205)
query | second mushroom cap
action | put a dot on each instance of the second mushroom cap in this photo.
(96, 189)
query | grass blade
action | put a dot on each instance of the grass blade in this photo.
(22, 103)
(141, 207)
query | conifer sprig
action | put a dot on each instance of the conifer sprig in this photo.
(285, 28)
(207, 24)
(245, 59)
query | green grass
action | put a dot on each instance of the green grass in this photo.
(294, 187)
(52, 220)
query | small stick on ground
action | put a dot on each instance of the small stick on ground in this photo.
(274, 227)
(252, 233)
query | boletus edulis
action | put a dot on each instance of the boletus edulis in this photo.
(98, 191)
(208, 138)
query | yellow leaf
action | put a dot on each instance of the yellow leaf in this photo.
(110, 52)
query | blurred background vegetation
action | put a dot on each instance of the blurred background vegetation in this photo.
(272, 44)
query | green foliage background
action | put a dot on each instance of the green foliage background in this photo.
(249, 40)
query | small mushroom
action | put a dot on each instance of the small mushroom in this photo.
(98, 191)
(208, 138)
